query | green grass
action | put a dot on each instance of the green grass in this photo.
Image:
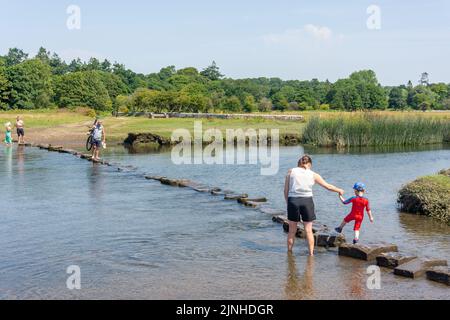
(376, 130)
(44, 118)
(427, 196)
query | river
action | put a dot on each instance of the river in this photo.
(137, 239)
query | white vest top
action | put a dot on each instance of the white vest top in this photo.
(301, 182)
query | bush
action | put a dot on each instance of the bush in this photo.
(86, 111)
(427, 196)
(324, 107)
(124, 109)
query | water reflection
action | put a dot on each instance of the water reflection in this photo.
(8, 159)
(422, 225)
(375, 150)
(20, 161)
(356, 284)
(96, 181)
(299, 286)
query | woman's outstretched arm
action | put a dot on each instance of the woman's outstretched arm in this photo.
(320, 181)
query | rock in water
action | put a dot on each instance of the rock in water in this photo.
(235, 196)
(439, 274)
(393, 259)
(366, 252)
(417, 267)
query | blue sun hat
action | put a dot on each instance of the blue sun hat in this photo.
(359, 186)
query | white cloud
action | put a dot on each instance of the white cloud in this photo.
(292, 36)
(318, 32)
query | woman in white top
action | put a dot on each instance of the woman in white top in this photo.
(299, 198)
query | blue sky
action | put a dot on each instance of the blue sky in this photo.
(247, 38)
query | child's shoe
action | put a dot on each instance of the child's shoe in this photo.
(338, 230)
(355, 241)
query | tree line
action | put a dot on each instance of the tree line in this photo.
(45, 81)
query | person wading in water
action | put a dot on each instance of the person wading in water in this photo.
(299, 198)
(99, 139)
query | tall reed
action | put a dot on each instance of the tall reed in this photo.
(376, 130)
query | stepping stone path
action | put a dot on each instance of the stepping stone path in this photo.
(418, 267)
(367, 252)
(393, 259)
(439, 274)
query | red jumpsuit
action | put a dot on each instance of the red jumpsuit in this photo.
(357, 213)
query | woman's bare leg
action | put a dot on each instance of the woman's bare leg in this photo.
(291, 235)
(309, 237)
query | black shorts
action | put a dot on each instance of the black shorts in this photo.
(20, 132)
(301, 209)
(97, 143)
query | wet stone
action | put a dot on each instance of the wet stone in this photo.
(418, 267)
(235, 196)
(169, 182)
(366, 252)
(157, 178)
(279, 219)
(393, 259)
(439, 274)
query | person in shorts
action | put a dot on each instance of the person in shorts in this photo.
(298, 193)
(20, 127)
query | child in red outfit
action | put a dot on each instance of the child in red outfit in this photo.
(357, 214)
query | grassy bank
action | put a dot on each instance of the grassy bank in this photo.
(378, 129)
(322, 128)
(428, 196)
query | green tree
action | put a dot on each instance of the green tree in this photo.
(83, 88)
(232, 104)
(280, 102)
(31, 84)
(212, 72)
(249, 104)
(15, 56)
(398, 98)
(5, 86)
(265, 105)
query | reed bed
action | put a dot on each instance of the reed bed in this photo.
(376, 130)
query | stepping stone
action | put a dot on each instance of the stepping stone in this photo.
(328, 240)
(366, 252)
(418, 267)
(393, 259)
(158, 178)
(184, 183)
(169, 182)
(235, 196)
(300, 231)
(279, 219)
(439, 274)
(257, 199)
(252, 204)
(54, 148)
(321, 239)
(318, 227)
(336, 240)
